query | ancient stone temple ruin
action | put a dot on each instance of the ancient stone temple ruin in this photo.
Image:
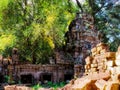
(67, 63)
(81, 37)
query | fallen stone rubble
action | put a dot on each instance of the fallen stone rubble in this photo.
(102, 71)
(17, 87)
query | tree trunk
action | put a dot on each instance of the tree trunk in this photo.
(79, 5)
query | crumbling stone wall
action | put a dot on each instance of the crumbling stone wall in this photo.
(80, 38)
(57, 71)
(102, 71)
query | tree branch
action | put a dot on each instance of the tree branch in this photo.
(79, 5)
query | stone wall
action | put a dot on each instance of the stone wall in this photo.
(57, 72)
(97, 62)
(102, 71)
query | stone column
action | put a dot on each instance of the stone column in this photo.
(61, 74)
(77, 70)
(55, 74)
(15, 56)
(78, 36)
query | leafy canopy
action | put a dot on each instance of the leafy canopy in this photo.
(38, 27)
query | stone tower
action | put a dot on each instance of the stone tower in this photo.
(81, 37)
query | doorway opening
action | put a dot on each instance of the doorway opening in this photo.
(68, 77)
(27, 79)
(46, 77)
(1, 78)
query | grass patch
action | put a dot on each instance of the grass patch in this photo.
(49, 85)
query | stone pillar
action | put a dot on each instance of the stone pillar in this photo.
(1, 64)
(10, 69)
(77, 71)
(55, 75)
(61, 74)
(15, 59)
(5, 66)
(15, 56)
(78, 36)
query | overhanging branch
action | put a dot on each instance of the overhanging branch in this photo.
(79, 5)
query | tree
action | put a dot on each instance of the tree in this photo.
(37, 26)
(107, 19)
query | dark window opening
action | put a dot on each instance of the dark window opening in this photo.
(68, 77)
(1, 78)
(47, 77)
(26, 79)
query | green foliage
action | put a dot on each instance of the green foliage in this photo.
(37, 26)
(6, 43)
(107, 18)
(49, 85)
(36, 87)
(3, 4)
(56, 85)
(7, 78)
